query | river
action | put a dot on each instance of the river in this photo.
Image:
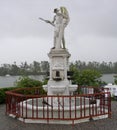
(9, 81)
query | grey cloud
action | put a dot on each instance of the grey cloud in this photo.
(92, 21)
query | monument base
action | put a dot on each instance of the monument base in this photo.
(59, 88)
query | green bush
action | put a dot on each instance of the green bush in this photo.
(3, 95)
(87, 77)
(23, 82)
(27, 82)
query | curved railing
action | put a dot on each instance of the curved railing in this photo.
(28, 103)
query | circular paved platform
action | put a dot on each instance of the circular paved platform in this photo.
(8, 123)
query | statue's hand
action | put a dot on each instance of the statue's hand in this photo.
(47, 21)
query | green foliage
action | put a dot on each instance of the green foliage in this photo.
(37, 68)
(3, 95)
(87, 77)
(90, 77)
(45, 81)
(115, 80)
(104, 67)
(23, 82)
(27, 82)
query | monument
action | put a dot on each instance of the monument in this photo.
(59, 83)
(60, 105)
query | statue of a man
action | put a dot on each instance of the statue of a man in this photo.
(60, 21)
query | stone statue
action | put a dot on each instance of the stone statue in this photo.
(60, 21)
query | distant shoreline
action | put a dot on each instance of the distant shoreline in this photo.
(8, 81)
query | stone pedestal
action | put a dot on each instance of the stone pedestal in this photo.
(58, 83)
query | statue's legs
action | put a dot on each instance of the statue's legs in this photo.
(55, 39)
(56, 36)
(63, 41)
(61, 38)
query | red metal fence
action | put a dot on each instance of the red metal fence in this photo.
(29, 104)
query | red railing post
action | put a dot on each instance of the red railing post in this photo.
(109, 105)
(84, 107)
(80, 106)
(75, 106)
(69, 106)
(63, 105)
(52, 107)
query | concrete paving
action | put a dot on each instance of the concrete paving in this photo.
(8, 123)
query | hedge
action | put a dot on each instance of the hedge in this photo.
(23, 82)
(3, 95)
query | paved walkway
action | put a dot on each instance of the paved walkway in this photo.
(8, 123)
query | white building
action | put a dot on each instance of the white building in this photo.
(112, 88)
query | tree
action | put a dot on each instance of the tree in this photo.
(44, 66)
(87, 77)
(35, 67)
(14, 69)
(24, 68)
(27, 82)
(5, 69)
(115, 80)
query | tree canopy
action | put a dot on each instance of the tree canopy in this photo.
(86, 77)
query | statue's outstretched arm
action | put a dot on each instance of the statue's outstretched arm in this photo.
(47, 21)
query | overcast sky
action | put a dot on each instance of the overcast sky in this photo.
(90, 36)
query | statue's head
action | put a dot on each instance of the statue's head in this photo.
(56, 10)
